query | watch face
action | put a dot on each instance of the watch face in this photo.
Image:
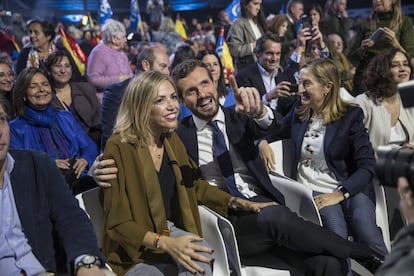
(88, 259)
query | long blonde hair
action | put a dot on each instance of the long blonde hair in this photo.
(397, 17)
(333, 106)
(133, 120)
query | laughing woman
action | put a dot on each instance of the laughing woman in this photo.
(334, 157)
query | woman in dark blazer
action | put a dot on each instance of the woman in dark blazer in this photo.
(79, 98)
(333, 156)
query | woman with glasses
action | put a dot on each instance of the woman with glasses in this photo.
(79, 98)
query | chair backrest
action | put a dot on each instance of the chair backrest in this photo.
(90, 203)
(219, 232)
(381, 213)
(298, 197)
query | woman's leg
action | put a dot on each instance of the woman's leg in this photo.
(182, 271)
(360, 214)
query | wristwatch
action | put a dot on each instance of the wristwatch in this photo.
(344, 192)
(87, 261)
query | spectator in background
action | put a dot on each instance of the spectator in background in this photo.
(79, 98)
(183, 52)
(346, 70)
(278, 25)
(294, 11)
(223, 20)
(17, 28)
(108, 63)
(315, 12)
(87, 43)
(41, 34)
(7, 78)
(167, 35)
(244, 32)
(338, 22)
(39, 126)
(398, 33)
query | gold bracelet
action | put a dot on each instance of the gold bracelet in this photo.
(257, 114)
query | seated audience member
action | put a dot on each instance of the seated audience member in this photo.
(400, 260)
(346, 70)
(151, 232)
(7, 77)
(267, 76)
(108, 63)
(318, 252)
(41, 35)
(154, 58)
(39, 126)
(79, 98)
(181, 53)
(37, 211)
(331, 153)
(387, 121)
(384, 116)
(398, 32)
(225, 94)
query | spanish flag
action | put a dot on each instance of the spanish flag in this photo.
(74, 50)
(223, 52)
(12, 40)
(179, 28)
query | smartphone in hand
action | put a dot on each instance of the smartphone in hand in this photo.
(377, 34)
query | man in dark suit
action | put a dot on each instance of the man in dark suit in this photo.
(42, 228)
(274, 226)
(273, 83)
(154, 58)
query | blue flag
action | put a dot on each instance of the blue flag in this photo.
(233, 9)
(136, 22)
(105, 11)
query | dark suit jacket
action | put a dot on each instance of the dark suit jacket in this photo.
(241, 132)
(111, 101)
(46, 207)
(250, 77)
(348, 151)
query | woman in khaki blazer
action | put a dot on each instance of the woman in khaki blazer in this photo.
(152, 225)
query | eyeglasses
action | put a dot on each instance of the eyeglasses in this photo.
(62, 66)
(8, 75)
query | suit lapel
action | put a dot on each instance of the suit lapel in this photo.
(329, 135)
(188, 134)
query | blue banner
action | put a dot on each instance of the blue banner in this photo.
(136, 22)
(105, 11)
(233, 9)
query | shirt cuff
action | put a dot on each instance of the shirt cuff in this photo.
(267, 120)
(295, 57)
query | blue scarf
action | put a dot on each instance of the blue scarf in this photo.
(44, 123)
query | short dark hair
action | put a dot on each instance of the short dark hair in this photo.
(183, 69)
(146, 54)
(262, 40)
(47, 28)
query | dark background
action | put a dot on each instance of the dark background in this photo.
(53, 10)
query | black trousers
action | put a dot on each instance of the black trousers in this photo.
(305, 246)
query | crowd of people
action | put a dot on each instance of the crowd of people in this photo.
(159, 126)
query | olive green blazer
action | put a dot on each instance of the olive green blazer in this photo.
(134, 205)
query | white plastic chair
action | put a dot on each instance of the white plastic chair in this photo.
(219, 232)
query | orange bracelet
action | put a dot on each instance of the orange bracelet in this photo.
(156, 241)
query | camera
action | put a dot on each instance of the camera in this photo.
(294, 88)
(394, 162)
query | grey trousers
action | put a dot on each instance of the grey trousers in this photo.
(170, 269)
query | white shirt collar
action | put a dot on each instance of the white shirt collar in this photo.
(201, 124)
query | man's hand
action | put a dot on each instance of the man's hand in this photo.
(249, 206)
(103, 171)
(184, 250)
(267, 154)
(330, 199)
(281, 90)
(247, 100)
